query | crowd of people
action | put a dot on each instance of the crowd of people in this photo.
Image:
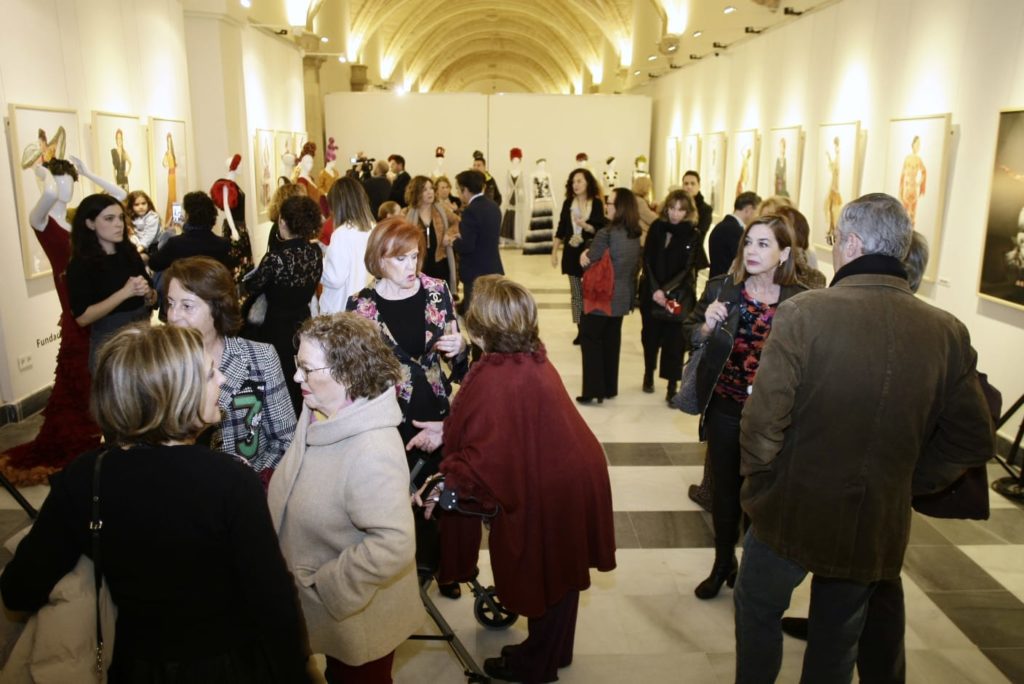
(273, 456)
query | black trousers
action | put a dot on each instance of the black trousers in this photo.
(600, 341)
(881, 658)
(549, 644)
(722, 427)
(664, 336)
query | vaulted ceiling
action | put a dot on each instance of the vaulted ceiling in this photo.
(547, 46)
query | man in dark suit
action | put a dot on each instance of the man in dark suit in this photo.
(401, 180)
(725, 238)
(477, 243)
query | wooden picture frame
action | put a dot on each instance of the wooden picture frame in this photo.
(168, 160)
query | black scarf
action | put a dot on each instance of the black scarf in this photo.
(875, 264)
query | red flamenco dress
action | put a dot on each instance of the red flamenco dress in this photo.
(68, 430)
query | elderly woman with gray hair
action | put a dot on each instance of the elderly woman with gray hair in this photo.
(340, 500)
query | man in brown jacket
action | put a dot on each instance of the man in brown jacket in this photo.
(864, 395)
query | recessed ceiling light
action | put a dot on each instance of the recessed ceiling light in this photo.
(698, 34)
(729, 10)
(341, 59)
(636, 73)
(245, 3)
(323, 39)
(652, 58)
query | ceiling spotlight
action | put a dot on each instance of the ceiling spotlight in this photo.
(341, 59)
(694, 56)
(719, 46)
(751, 29)
(729, 10)
(652, 58)
(245, 3)
(324, 39)
(791, 12)
(636, 73)
(698, 34)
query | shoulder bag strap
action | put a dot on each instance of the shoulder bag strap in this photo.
(95, 525)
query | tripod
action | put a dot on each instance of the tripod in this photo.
(1012, 487)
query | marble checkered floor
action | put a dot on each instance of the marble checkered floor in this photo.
(964, 581)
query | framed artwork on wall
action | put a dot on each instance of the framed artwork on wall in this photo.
(263, 168)
(1002, 266)
(745, 149)
(284, 155)
(915, 173)
(37, 135)
(168, 154)
(713, 172)
(836, 173)
(673, 150)
(691, 154)
(783, 163)
(120, 151)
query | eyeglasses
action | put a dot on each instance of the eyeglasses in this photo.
(303, 371)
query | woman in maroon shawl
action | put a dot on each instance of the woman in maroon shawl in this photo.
(514, 440)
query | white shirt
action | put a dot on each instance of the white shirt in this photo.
(344, 269)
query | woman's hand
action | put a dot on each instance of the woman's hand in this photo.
(136, 286)
(451, 343)
(429, 438)
(586, 226)
(659, 297)
(716, 313)
(554, 257)
(584, 260)
(429, 501)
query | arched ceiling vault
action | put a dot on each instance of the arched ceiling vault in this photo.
(475, 64)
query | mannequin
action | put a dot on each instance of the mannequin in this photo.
(538, 239)
(515, 173)
(67, 429)
(609, 177)
(306, 179)
(288, 161)
(329, 174)
(230, 199)
(438, 161)
(583, 160)
(640, 169)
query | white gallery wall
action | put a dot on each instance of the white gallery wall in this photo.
(872, 61)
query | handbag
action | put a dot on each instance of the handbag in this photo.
(256, 311)
(686, 398)
(599, 285)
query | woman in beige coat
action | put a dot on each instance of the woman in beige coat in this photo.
(340, 501)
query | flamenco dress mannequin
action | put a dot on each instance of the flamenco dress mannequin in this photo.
(515, 175)
(542, 207)
(230, 199)
(305, 179)
(610, 178)
(67, 429)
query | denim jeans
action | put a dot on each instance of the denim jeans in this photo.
(763, 590)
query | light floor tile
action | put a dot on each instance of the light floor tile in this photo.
(653, 488)
(1004, 562)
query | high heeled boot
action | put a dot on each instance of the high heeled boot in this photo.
(648, 386)
(722, 572)
(671, 391)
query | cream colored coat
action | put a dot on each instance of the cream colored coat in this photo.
(340, 504)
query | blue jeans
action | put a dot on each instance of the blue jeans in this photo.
(764, 587)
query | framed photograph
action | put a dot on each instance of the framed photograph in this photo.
(837, 178)
(745, 150)
(691, 153)
(915, 173)
(120, 151)
(1002, 266)
(672, 151)
(783, 163)
(168, 154)
(263, 168)
(37, 135)
(285, 155)
(713, 172)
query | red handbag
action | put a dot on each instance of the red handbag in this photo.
(599, 285)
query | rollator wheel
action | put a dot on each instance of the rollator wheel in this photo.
(490, 612)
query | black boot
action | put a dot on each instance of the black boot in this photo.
(648, 385)
(671, 390)
(723, 572)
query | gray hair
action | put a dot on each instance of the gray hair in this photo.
(916, 260)
(880, 221)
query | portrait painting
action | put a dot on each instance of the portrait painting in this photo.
(915, 173)
(38, 136)
(836, 174)
(120, 151)
(1002, 267)
(745, 150)
(783, 163)
(713, 172)
(264, 169)
(691, 155)
(168, 163)
(672, 153)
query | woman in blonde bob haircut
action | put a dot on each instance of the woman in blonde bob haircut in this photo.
(504, 319)
(149, 385)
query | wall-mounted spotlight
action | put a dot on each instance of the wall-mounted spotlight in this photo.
(695, 57)
(791, 12)
(698, 34)
(751, 29)
(719, 46)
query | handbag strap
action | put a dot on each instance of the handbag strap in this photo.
(95, 525)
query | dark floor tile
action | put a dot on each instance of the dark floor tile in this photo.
(636, 454)
(1010, 661)
(1007, 523)
(625, 535)
(923, 533)
(686, 453)
(946, 568)
(991, 619)
(672, 530)
(966, 532)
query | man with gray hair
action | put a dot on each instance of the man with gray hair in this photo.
(864, 395)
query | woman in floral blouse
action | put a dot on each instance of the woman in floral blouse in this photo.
(417, 319)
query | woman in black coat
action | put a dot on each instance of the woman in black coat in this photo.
(668, 287)
(581, 217)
